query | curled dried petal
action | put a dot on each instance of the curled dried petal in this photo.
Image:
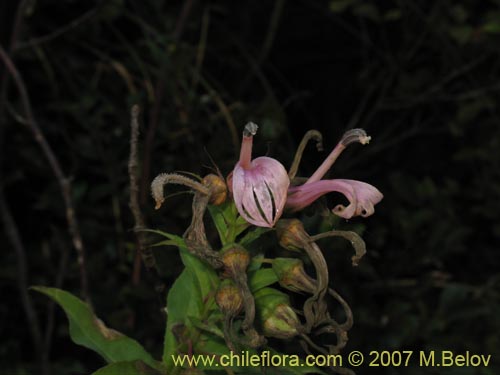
(173, 178)
(362, 196)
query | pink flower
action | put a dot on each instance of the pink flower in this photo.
(259, 186)
(362, 196)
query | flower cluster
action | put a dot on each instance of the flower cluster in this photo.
(250, 297)
(261, 187)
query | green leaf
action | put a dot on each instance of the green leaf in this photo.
(183, 300)
(366, 10)
(209, 327)
(492, 27)
(227, 221)
(339, 6)
(261, 278)
(87, 330)
(461, 34)
(217, 214)
(165, 243)
(177, 240)
(253, 235)
(206, 279)
(127, 368)
(240, 224)
(256, 263)
(392, 15)
(188, 300)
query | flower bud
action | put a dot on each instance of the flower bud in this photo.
(291, 234)
(276, 315)
(235, 259)
(292, 276)
(218, 189)
(228, 298)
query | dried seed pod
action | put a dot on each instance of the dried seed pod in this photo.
(291, 234)
(217, 187)
(292, 276)
(229, 298)
(276, 315)
(235, 259)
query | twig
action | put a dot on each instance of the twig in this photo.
(41, 351)
(225, 111)
(202, 45)
(158, 96)
(56, 33)
(147, 256)
(13, 40)
(22, 281)
(145, 252)
(61, 271)
(181, 21)
(150, 137)
(64, 182)
(256, 70)
(271, 31)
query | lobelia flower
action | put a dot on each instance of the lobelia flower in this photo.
(259, 186)
(362, 196)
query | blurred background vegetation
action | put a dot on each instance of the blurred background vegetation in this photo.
(423, 78)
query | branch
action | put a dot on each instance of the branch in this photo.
(158, 97)
(64, 182)
(58, 32)
(22, 281)
(271, 31)
(181, 21)
(11, 230)
(58, 282)
(145, 252)
(225, 111)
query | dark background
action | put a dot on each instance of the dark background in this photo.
(423, 78)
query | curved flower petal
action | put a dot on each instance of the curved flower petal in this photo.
(362, 196)
(260, 191)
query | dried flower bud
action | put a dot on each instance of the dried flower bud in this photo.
(218, 189)
(276, 315)
(228, 298)
(173, 178)
(291, 234)
(292, 276)
(235, 259)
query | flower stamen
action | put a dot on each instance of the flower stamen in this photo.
(351, 136)
(250, 129)
(355, 135)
